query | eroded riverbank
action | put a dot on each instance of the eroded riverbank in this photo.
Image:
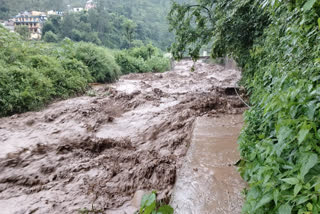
(101, 150)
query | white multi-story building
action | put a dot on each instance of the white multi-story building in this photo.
(33, 20)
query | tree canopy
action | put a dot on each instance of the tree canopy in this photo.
(229, 27)
(114, 23)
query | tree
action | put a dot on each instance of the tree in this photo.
(48, 26)
(50, 37)
(231, 27)
(129, 29)
(67, 25)
(23, 31)
(76, 35)
(4, 9)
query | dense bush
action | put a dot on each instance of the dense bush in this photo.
(145, 51)
(22, 89)
(32, 74)
(65, 82)
(158, 64)
(142, 59)
(280, 143)
(99, 61)
(130, 64)
(50, 37)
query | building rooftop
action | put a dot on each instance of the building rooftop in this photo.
(32, 13)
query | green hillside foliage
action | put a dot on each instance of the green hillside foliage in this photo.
(10, 8)
(114, 24)
(277, 44)
(35, 73)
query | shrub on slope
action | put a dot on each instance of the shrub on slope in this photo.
(280, 143)
(32, 74)
(142, 59)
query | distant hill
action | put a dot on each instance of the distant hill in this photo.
(114, 20)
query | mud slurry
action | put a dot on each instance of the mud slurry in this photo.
(99, 151)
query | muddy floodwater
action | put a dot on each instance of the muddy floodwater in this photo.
(103, 151)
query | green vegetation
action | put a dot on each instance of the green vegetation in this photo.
(100, 62)
(142, 59)
(23, 31)
(9, 8)
(50, 37)
(112, 27)
(35, 73)
(114, 24)
(149, 205)
(277, 45)
(229, 27)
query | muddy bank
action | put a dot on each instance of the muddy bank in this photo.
(100, 150)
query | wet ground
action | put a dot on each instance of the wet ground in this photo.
(208, 182)
(104, 151)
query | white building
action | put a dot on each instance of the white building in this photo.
(54, 13)
(33, 20)
(77, 9)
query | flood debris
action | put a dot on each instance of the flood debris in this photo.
(99, 151)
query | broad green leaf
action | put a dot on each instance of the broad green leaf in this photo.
(276, 196)
(319, 23)
(310, 162)
(143, 202)
(149, 209)
(165, 210)
(309, 4)
(297, 189)
(285, 209)
(303, 134)
(311, 109)
(264, 200)
(148, 203)
(291, 181)
(284, 133)
(309, 206)
(302, 199)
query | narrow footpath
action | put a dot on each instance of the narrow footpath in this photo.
(208, 182)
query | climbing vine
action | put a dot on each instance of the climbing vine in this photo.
(280, 143)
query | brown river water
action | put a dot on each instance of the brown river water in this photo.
(103, 152)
